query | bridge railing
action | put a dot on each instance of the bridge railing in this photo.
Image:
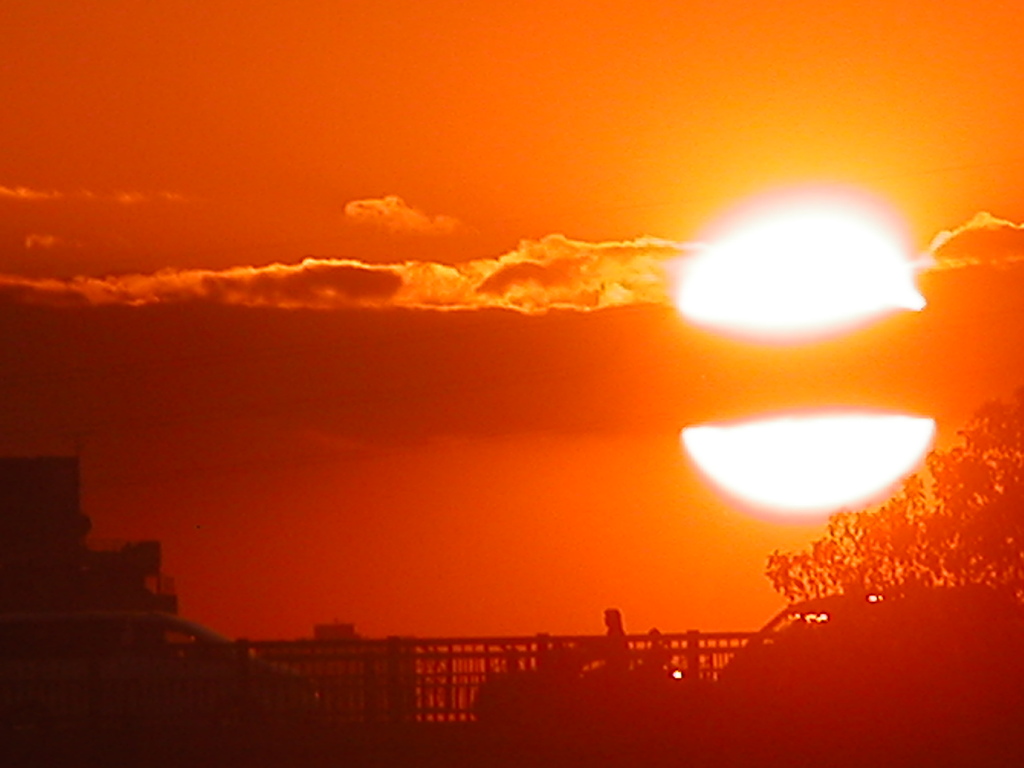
(439, 679)
(334, 682)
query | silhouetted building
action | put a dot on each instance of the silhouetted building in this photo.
(40, 516)
(335, 631)
(45, 562)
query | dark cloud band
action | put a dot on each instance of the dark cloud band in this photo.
(552, 273)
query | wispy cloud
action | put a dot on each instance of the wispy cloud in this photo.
(985, 239)
(395, 215)
(121, 197)
(26, 193)
(37, 241)
(538, 276)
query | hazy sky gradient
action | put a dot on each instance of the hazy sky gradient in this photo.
(361, 308)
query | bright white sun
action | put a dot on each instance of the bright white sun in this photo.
(809, 465)
(799, 264)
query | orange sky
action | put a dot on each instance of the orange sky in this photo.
(460, 414)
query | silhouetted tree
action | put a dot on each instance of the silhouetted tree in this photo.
(960, 522)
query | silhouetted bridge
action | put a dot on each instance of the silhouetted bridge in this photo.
(333, 682)
(439, 680)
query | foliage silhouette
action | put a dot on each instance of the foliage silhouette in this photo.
(932, 679)
(960, 522)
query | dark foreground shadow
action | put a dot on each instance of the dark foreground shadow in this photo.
(938, 683)
(933, 681)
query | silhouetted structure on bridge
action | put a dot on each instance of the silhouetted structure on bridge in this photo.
(46, 563)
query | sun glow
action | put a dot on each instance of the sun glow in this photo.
(809, 465)
(807, 263)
